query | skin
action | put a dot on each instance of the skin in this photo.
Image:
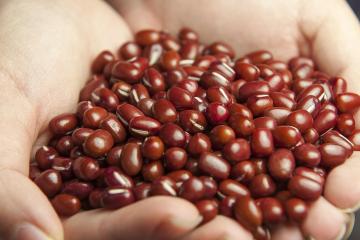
(48, 44)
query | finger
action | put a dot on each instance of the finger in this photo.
(287, 232)
(220, 228)
(334, 35)
(154, 218)
(25, 211)
(341, 187)
(324, 221)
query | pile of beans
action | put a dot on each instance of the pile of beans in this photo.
(251, 138)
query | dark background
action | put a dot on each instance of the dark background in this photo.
(355, 4)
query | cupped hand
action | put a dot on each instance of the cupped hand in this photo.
(46, 50)
(327, 31)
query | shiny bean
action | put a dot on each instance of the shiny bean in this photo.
(116, 197)
(213, 165)
(236, 150)
(332, 154)
(49, 182)
(281, 164)
(131, 159)
(261, 142)
(66, 205)
(262, 185)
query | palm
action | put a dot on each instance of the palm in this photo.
(64, 69)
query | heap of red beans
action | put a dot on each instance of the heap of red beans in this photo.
(251, 138)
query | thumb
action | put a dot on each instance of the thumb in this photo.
(25, 211)
(334, 34)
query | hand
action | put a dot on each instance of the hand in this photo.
(46, 49)
(327, 31)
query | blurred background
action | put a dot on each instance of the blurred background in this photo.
(355, 4)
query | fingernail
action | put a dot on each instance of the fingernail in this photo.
(341, 234)
(352, 209)
(309, 237)
(185, 224)
(29, 232)
(349, 225)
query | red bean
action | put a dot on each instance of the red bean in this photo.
(49, 182)
(129, 50)
(311, 135)
(86, 168)
(112, 125)
(339, 85)
(98, 143)
(125, 112)
(175, 158)
(246, 71)
(116, 197)
(231, 187)
(253, 88)
(345, 124)
(208, 209)
(262, 144)
(259, 165)
(332, 155)
(127, 72)
(66, 205)
(152, 171)
(278, 113)
(272, 210)
(221, 47)
(142, 191)
(241, 125)
(226, 206)
(93, 117)
(262, 185)
(213, 78)
(282, 100)
(310, 104)
(296, 209)
(347, 102)
(143, 126)
(147, 37)
(187, 34)
(305, 188)
(265, 122)
(260, 56)
(163, 186)
(172, 135)
(307, 155)
(45, 156)
(286, 136)
(247, 213)
(192, 121)
(258, 104)
(281, 164)
(213, 165)
(105, 98)
(81, 190)
(192, 189)
(63, 165)
(300, 119)
(131, 159)
(236, 150)
(355, 140)
(339, 139)
(100, 62)
(243, 171)
(221, 135)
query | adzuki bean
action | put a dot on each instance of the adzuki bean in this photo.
(251, 138)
